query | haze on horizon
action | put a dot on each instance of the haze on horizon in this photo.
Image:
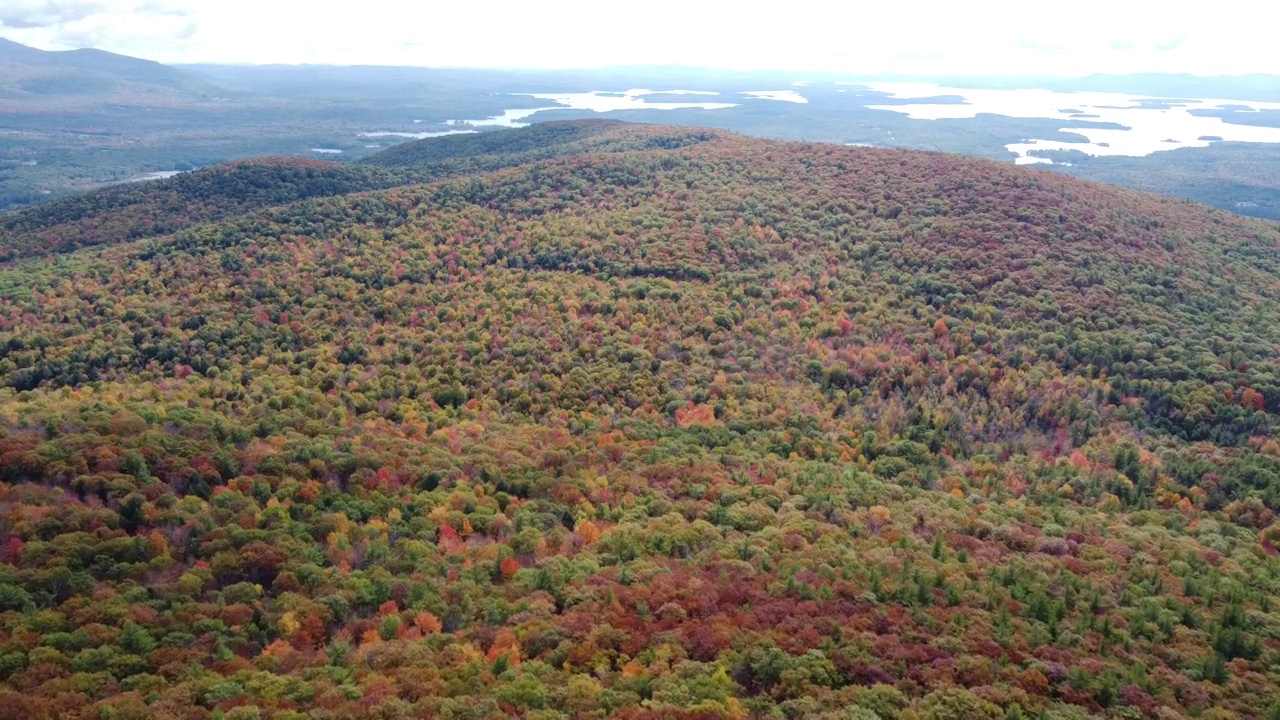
(993, 37)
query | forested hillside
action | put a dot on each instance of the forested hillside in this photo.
(132, 211)
(640, 422)
(138, 210)
(496, 150)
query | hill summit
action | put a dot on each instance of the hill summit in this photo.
(32, 76)
(610, 420)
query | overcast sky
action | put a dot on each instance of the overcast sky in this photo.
(984, 37)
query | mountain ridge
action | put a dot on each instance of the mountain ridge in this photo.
(243, 185)
(34, 75)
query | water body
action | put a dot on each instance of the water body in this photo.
(326, 151)
(604, 101)
(158, 175)
(509, 118)
(712, 93)
(790, 96)
(1151, 124)
(414, 135)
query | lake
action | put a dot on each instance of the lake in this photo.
(414, 135)
(1107, 124)
(604, 101)
(1151, 124)
(158, 175)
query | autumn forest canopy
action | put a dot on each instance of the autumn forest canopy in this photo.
(594, 419)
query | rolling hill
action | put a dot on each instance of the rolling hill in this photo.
(609, 420)
(135, 210)
(30, 75)
(131, 211)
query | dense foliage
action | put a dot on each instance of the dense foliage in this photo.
(137, 210)
(497, 150)
(1242, 177)
(735, 428)
(133, 211)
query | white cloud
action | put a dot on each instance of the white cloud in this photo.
(39, 13)
(909, 36)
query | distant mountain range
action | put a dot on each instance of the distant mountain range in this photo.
(27, 73)
(79, 119)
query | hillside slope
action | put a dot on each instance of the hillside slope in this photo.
(495, 150)
(130, 211)
(122, 213)
(737, 428)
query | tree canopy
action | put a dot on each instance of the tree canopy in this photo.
(666, 425)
